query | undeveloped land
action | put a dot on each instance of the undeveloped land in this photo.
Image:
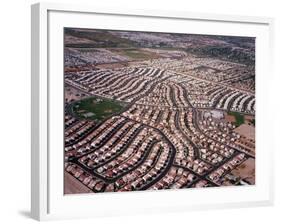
(246, 171)
(73, 186)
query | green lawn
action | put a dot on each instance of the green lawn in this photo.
(95, 108)
(239, 118)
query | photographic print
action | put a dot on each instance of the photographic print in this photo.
(153, 111)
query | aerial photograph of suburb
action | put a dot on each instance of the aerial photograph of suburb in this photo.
(153, 111)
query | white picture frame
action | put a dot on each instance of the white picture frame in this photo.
(47, 201)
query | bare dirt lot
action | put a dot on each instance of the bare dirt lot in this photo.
(246, 171)
(246, 130)
(229, 118)
(72, 94)
(73, 186)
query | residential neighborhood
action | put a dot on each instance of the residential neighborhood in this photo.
(152, 111)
